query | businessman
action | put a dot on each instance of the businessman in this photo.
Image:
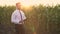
(18, 17)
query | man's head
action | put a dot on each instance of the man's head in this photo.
(18, 5)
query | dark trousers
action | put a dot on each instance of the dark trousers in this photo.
(19, 29)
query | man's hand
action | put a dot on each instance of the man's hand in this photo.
(20, 21)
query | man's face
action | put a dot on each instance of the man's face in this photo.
(18, 6)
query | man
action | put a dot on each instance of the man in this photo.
(18, 17)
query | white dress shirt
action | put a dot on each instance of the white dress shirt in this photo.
(16, 16)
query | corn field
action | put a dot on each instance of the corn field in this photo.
(40, 19)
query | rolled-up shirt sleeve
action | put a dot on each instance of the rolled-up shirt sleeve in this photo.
(23, 16)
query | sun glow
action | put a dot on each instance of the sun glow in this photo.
(29, 2)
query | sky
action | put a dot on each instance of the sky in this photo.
(29, 2)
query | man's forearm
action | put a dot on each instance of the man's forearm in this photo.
(22, 21)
